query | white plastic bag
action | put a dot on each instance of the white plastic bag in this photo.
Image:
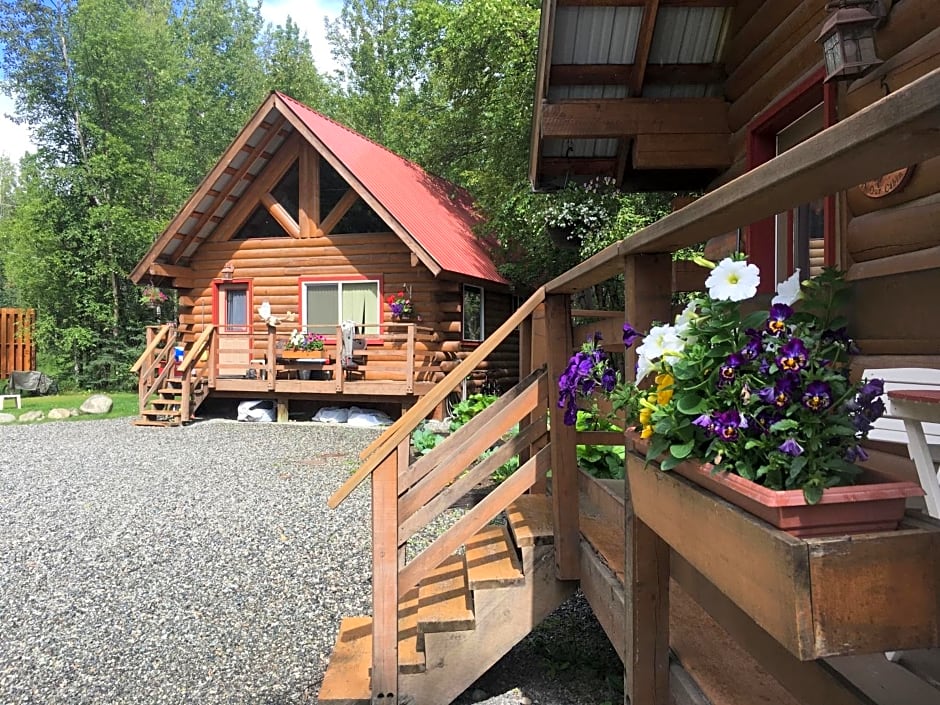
(367, 418)
(332, 414)
(256, 410)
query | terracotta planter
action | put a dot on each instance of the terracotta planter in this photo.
(877, 503)
(301, 354)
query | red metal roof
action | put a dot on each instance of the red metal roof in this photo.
(438, 214)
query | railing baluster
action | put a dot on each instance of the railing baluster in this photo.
(563, 442)
(385, 578)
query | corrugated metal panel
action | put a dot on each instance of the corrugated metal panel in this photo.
(436, 213)
(596, 35)
(689, 35)
(580, 148)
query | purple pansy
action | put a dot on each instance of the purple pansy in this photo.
(727, 423)
(776, 321)
(728, 371)
(818, 396)
(781, 393)
(793, 356)
(855, 454)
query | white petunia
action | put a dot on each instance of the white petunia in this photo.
(684, 319)
(643, 367)
(733, 280)
(661, 341)
(788, 291)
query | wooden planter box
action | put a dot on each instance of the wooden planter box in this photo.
(818, 597)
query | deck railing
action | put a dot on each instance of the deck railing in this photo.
(155, 363)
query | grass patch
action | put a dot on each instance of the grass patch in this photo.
(125, 404)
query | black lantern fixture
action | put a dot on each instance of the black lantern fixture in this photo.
(848, 37)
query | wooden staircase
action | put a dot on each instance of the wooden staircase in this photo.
(170, 392)
(464, 616)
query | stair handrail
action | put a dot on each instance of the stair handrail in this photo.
(379, 449)
(151, 346)
(197, 349)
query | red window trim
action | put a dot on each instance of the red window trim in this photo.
(761, 147)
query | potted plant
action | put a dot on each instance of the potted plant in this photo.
(401, 306)
(578, 210)
(299, 342)
(759, 403)
(152, 297)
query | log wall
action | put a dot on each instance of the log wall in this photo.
(275, 266)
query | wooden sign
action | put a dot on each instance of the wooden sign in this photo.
(887, 184)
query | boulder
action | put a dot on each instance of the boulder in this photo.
(59, 414)
(7, 418)
(97, 404)
(31, 416)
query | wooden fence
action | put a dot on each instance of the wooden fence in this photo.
(17, 351)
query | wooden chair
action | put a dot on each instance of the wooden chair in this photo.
(351, 344)
(912, 424)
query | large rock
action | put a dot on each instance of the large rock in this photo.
(59, 413)
(7, 418)
(97, 404)
(31, 416)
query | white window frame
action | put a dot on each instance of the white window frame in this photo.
(463, 314)
(370, 329)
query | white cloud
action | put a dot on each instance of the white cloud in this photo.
(14, 139)
(309, 16)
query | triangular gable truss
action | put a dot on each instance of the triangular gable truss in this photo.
(272, 141)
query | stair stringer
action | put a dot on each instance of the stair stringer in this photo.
(456, 659)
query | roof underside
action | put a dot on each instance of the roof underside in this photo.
(608, 70)
(433, 217)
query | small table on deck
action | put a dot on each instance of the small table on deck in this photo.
(917, 407)
(304, 364)
(14, 397)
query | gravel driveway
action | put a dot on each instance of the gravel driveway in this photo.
(199, 565)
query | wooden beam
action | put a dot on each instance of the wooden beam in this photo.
(898, 130)
(339, 210)
(266, 180)
(559, 166)
(682, 151)
(633, 116)
(171, 271)
(309, 191)
(643, 43)
(280, 214)
(621, 74)
(233, 182)
(639, 3)
(385, 577)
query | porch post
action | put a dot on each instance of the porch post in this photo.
(385, 580)
(648, 298)
(563, 440)
(410, 360)
(270, 355)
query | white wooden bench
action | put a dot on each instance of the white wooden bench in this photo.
(906, 422)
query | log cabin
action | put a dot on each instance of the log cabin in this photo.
(798, 162)
(304, 225)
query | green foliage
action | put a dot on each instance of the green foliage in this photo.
(465, 410)
(424, 440)
(125, 405)
(601, 461)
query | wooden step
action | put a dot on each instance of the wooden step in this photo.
(530, 518)
(410, 657)
(444, 601)
(174, 413)
(151, 422)
(491, 559)
(347, 678)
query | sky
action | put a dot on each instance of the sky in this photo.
(307, 14)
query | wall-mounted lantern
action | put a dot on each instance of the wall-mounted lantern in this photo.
(848, 37)
(228, 271)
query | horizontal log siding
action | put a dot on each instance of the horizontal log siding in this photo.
(897, 320)
(275, 266)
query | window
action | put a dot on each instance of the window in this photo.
(233, 308)
(326, 304)
(472, 313)
(800, 233)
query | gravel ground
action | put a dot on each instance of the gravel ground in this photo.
(201, 565)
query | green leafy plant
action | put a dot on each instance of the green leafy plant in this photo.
(465, 410)
(601, 461)
(304, 341)
(766, 395)
(425, 440)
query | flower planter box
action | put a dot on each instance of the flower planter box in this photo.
(817, 596)
(301, 354)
